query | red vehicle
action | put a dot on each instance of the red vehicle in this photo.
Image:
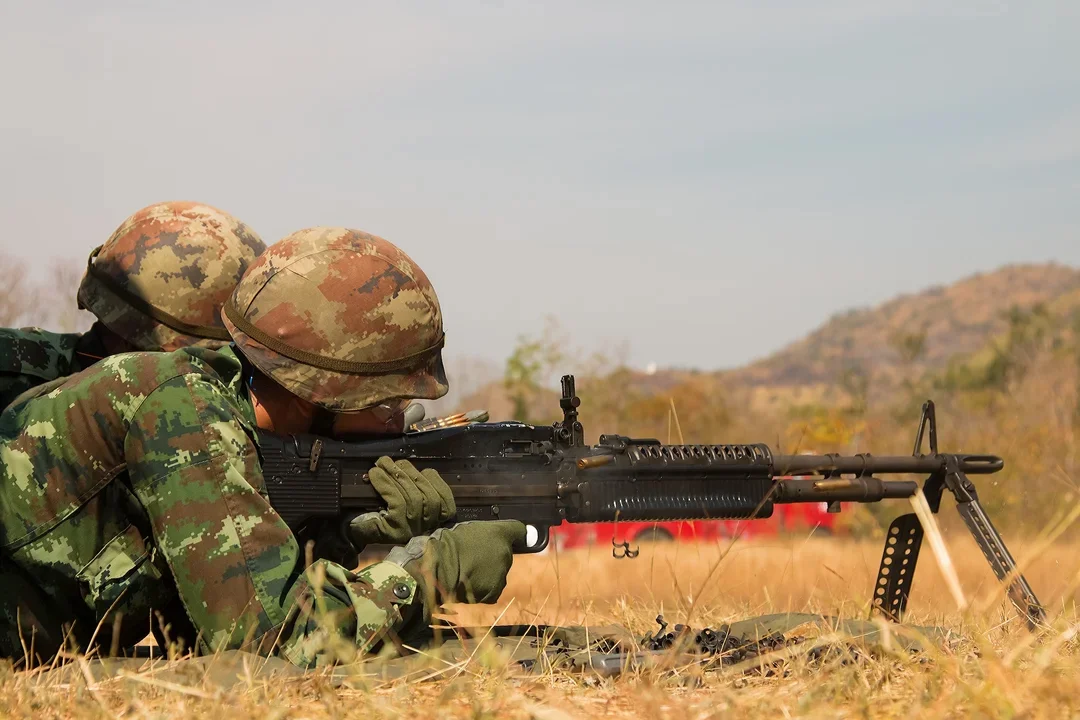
(796, 518)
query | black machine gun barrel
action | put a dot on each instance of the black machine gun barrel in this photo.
(867, 464)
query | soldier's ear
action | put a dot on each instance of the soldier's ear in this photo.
(301, 414)
(277, 409)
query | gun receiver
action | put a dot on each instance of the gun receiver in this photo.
(544, 475)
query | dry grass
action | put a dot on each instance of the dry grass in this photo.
(997, 672)
(832, 576)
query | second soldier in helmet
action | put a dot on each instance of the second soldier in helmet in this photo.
(134, 489)
(157, 284)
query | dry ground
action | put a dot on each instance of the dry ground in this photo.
(997, 672)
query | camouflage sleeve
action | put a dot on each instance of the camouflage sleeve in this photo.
(237, 566)
(31, 356)
(12, 386)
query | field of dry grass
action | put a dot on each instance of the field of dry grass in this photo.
(998, 670)
(832, 576)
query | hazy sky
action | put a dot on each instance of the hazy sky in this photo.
(704, 182)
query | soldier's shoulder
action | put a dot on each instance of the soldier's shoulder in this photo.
(153, 368)
(177, 386)
(36, 352)
(136, 375)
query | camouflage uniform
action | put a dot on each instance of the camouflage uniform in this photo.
(32, 356)
(158, 283)
(135, 488)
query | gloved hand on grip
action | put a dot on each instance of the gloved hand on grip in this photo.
(466, 563)
(416, 504)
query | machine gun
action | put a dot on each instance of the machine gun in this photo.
(543, 475)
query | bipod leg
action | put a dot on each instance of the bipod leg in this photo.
(902, 544)
(993, 547)
(897, 568)
(904, 539)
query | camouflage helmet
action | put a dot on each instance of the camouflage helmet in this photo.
(159, 282)
(340, 318)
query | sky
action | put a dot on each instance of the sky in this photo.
(695, 184)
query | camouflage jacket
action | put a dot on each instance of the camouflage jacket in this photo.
(131, 496)
(31, 356)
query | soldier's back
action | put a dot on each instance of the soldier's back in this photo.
(76, 543)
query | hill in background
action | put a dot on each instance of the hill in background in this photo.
(955, 320)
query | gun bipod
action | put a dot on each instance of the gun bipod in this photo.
(1001, 562)
(897, 566)
(904, 539)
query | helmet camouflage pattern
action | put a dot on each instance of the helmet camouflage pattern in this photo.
(159, 282)
(341, 318)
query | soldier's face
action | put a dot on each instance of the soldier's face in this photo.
(278, 410)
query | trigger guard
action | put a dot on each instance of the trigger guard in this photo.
(543, 536)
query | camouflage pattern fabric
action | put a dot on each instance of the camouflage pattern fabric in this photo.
(182, 259)
(334, 297)
(134, 489)
(32, 356)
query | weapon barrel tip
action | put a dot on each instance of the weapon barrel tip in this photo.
(981, 464)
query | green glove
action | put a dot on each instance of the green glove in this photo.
(416, 503)
(466, 563)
